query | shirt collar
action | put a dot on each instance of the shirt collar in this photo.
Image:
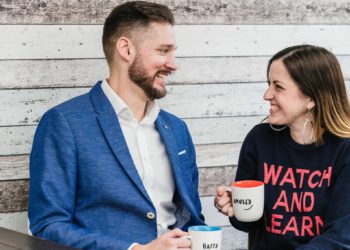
(122, 110)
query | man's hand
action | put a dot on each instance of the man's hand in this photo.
(172, 240)
(223, 201)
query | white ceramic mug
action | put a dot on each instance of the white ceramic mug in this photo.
(205, 237)
(248, 200)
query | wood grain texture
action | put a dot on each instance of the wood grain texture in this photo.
(14, 196)
(232, 239)
(14, 193)
(15, 221)
(211, 178)
(15, 167)
(85, 72)
(84, 41)
(212, 216)
(18, 139)
(185, 11)
(215, 155)
(26, 106)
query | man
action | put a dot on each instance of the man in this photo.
(109, 169)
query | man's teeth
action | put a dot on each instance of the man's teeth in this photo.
(161, 76)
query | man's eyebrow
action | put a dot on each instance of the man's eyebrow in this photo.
(169, 46)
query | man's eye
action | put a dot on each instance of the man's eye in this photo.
(163, 51)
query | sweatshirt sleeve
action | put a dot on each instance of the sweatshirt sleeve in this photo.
(53, 174)
(247, 170)
(336, 232)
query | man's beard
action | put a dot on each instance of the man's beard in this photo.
(138, 74)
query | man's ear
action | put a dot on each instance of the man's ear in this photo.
(125, 48)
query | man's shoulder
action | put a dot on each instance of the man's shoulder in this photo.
(76, 103)
(74, 107)
(170, 118)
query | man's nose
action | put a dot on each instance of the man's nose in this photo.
(170, 63)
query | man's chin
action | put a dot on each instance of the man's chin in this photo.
(155, 93)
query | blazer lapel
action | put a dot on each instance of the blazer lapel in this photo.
(111, 128)
(168, 139)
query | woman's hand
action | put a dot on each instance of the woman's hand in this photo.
(223, 201)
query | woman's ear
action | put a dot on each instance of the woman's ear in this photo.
(124, 48)
(311, 104)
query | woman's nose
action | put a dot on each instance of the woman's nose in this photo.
(268, 95)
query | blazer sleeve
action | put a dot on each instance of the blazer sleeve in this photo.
(195, 178)
(53, 174)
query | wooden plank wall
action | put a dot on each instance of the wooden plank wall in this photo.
(50, 51)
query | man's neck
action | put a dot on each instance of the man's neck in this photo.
(131, 94)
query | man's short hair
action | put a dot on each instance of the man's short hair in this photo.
(129, 16)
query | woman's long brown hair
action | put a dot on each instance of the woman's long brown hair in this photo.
(318, 75)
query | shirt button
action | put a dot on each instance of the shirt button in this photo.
(150, 215)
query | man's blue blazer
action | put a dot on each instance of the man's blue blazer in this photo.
(85, 191)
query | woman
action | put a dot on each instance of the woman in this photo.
(302, 155)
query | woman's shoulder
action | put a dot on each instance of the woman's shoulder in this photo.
(261, 129)
(333, 140)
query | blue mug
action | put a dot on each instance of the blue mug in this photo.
(205, 237)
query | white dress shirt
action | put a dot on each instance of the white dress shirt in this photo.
(149, 155)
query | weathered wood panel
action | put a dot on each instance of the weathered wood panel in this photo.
(214, 155)
(232, 239)
(84, 41)
(211, 178)
(221, 130)
(212, 216)
(14, 193)
(85, 72)
(52, 73)
(186, 11)
(15, 221)
(15, 167)
(14, 196)
(26, 106)
(18, 139)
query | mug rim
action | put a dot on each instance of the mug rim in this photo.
(247, 184)
(204, 228)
